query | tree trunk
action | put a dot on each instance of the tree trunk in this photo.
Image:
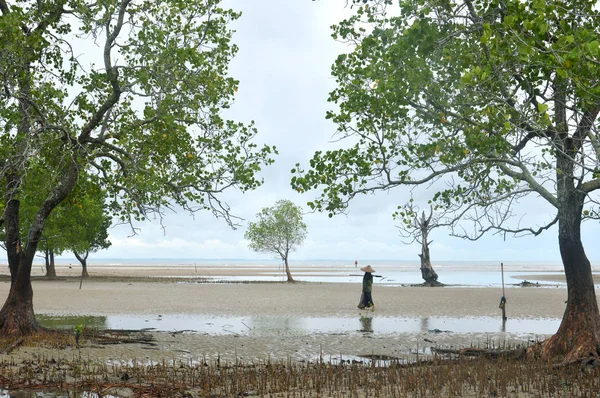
(17, 317)
(427, 271)
(287, 271)
(13, 240)
(50, 266)
(578, 335)
(84, 272)
(83, 260)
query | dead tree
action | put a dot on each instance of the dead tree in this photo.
(418, 229)
(424, 225)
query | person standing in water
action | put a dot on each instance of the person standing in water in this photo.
(366, 299)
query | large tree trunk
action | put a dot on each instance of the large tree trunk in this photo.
(50, 266)
(287, 271)
(578, 335)
(17, 317)
(83, 260)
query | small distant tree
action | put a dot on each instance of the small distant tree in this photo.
(279, 230)
(95, 238)
(89, 223)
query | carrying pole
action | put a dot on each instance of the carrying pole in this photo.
(502, 305)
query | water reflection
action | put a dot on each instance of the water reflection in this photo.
(69, 322)
(264, 324)
(366, 324)
(392, 277)
(260, 325)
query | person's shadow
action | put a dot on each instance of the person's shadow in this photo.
(366, 323)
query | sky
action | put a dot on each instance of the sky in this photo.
(284, 65)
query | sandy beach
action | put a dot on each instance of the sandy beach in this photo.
(168, 321)
(269, 308)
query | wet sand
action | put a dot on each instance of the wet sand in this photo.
(556, 278)
(120, 296)
(301, 299)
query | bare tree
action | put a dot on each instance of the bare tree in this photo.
(417, 229)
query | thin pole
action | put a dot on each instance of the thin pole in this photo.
(502, 269)
(503, 298)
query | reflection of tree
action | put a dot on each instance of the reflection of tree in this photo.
(425, 324)
(273, 323)
(69, 322)
(367, 324)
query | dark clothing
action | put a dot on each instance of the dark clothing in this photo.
(367, 282)
(367, 288)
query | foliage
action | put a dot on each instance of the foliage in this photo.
(79, 223)
(476, 101)
(481, 104)
(130, 92)
(85, 221)
(279, 229)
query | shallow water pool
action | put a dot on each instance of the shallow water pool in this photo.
(259, 325)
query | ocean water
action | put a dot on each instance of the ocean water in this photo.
(388, 272)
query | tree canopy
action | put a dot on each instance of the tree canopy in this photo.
(279, 230)
(129, 92)
(84, 221)
(483, 104)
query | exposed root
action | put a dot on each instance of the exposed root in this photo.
(13, 345)
(540, 350)
(429, 284)
(585, 363)
(46, 337)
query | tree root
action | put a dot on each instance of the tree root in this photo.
(585, 363)
(429, 284)
(13, 345)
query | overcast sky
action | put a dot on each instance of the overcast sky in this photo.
(283, 65)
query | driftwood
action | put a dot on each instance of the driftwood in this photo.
(110, 337)
(474, 352)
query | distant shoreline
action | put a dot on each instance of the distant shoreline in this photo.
(451, 275)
